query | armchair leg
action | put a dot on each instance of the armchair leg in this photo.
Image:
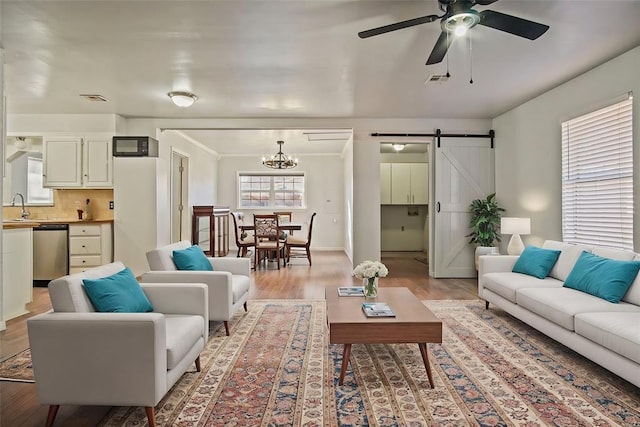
(226, 327)
(245, 306)
(198, 363)
(51, 416)
(486, 305)
(150, 415)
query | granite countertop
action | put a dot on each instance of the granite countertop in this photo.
(32, 223)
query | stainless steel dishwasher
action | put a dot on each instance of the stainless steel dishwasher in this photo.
(50, 253)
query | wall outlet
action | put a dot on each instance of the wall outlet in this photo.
(111, 204)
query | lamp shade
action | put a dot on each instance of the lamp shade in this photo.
(182, 99)
(515, 225)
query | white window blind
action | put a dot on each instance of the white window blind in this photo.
(597, 177)
(271, 190)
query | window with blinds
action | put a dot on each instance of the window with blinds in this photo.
(260, 191)
(597, 177)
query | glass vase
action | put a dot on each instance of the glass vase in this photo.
(370, 286)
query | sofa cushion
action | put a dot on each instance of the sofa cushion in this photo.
(633, 293)
(117, 293)
(536, 262)
(506, 284)
(612, 253)
(192, 258)
(183, 331)
(561, 305)
(240, 285)
(619, 332)
(602, 277)
(67, 293)
(567, 258)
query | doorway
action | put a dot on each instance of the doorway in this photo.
(180, 219)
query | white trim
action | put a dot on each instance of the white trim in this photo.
(299, 155)
(194, 142)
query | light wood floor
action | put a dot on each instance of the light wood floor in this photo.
(18, 402)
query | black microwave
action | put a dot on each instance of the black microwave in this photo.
(135, 146)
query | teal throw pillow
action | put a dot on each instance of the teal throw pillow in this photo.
(606, 278)
(536, 262)
(192, 258)
(118, 293)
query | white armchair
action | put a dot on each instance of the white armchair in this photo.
(81, 357)
(228, 284)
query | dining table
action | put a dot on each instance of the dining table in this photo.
(287, 226)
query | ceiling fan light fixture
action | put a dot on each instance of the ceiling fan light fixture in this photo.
(460, 23)
(398, 147)
(279, 160)
(182, 99)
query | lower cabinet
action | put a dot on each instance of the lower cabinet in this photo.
(90, 245)
(17, 272)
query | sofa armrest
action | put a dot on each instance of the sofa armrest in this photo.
(241, 266)
(180, 298)
(116, 359)
(493, 264)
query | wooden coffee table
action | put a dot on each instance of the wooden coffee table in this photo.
(414, 323)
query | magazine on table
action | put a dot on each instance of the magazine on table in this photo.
(377, 309)
(351, 291)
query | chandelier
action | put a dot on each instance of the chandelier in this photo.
(279, 160)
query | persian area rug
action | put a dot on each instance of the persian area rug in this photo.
(17, 368)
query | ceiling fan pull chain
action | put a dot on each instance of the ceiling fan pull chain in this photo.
(470, 57)
(448, 75)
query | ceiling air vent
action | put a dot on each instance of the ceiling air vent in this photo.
(437, 78)
(91, 97)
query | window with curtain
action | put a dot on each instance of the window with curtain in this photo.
(597, 177)
(268, 191)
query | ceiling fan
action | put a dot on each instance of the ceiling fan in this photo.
(459, 17)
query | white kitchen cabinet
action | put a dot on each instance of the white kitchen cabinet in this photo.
(409, 183)
(385, 183)
(17, 271)
(90, 245)
(77, 162)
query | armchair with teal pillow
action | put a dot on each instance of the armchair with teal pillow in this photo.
(83, 357)
(228, 283)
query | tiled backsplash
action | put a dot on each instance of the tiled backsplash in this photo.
(64, 205)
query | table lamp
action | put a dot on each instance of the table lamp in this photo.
(515, 227)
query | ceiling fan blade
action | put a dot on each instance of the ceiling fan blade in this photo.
(512, 24)
(397, 26)
(485, 2)
(440, 49)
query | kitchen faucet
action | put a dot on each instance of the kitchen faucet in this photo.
(23, 214)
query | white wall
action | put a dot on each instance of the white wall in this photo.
(324, 178)
(528, 144)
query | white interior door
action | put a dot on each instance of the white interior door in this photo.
(179, 205)
(464, 171)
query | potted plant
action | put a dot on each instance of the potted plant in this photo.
(484, 224)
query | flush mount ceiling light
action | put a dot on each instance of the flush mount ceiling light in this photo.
(182, 99)
(398, 147)
(279, 160)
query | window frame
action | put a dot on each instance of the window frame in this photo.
(597, 181)
(272, 190)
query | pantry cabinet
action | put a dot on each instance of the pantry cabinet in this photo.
(404, 183)
(77, 162)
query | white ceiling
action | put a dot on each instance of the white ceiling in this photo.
(278, 58)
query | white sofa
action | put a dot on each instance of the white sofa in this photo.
(606, 333)
(229, 282)
(81, 357)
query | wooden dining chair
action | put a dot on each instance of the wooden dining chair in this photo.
(243, 241)
(300, 247)
(266, 233)
(284, 216)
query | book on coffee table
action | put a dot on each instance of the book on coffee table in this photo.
(351, 291)
(377, 309)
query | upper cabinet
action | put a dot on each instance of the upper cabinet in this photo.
(404, 183)
(78, 162)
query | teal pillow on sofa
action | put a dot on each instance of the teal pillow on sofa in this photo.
(605, 278)
(118, 293)
(536, 262)
(192, 258)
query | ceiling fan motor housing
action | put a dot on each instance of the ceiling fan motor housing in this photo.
(459, 13)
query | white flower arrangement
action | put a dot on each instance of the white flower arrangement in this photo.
(370, 269)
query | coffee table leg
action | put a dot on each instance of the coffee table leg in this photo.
(425, 359)
(346, 353)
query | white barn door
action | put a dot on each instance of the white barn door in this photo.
(464, 171)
